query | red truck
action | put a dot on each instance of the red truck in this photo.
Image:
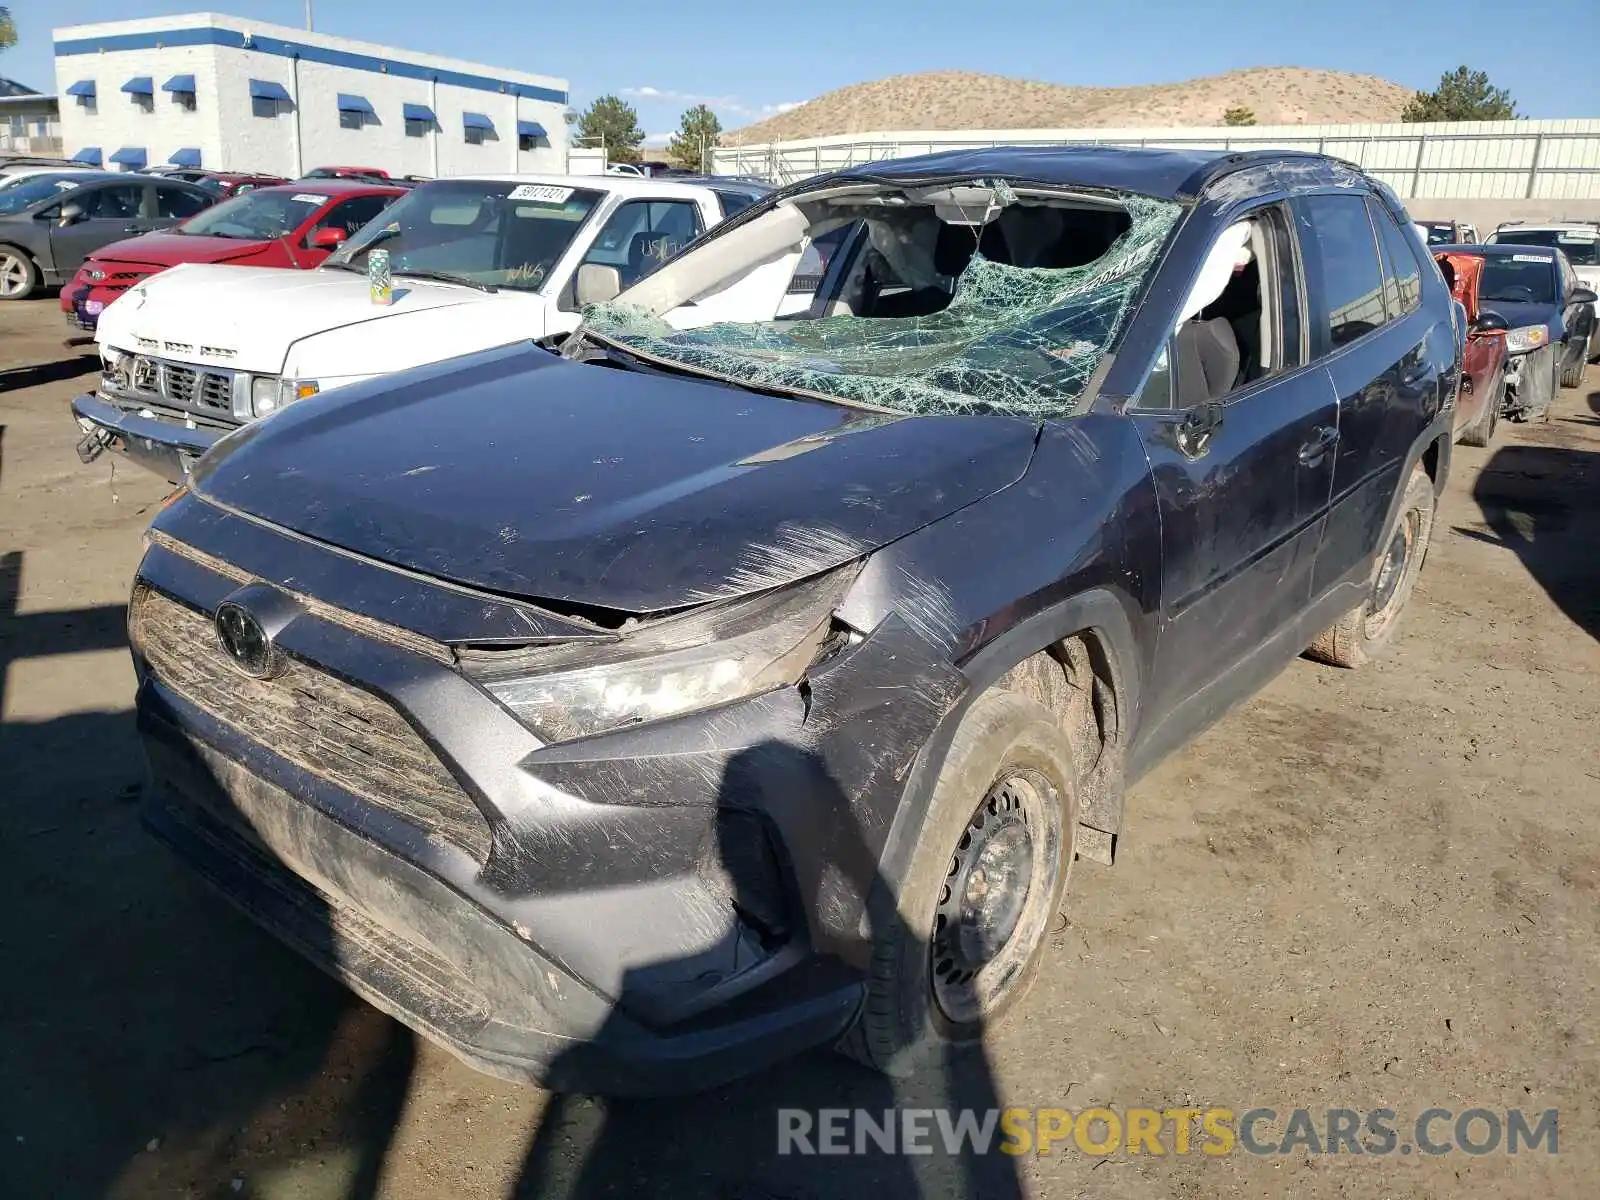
(294, 226)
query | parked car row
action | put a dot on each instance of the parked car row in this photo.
(652, 666)
(477, 262)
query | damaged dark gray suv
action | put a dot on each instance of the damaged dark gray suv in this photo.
(629, 715)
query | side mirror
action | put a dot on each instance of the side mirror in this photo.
(71, 214)
(597, 284)
(1490, 321)
(1584, 295)
(328, 238)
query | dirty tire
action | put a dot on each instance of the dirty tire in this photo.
(19, 277)
(1481, 431)
(1004, 738)
(1572, 372)
(1363, 632)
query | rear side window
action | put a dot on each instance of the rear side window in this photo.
(1350, 278)
(732, 202)
(1402, 277)
(179, 202)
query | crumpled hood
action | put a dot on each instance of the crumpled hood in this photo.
(522, 473)
(169, 249)
(255, 313)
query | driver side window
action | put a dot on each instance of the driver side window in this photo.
(1241, 321)
(119, 201)
(643, 234)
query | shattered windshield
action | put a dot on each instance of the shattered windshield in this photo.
(940, 307)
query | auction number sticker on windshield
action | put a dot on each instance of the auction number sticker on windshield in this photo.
(309, 198)
(1577, 235)
(544, 192)
(1544, 258)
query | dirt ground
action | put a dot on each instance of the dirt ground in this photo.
(1374, 889)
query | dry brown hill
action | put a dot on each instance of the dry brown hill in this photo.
(963, 100)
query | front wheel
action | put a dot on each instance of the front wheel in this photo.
(1363, 632)
(1572, 372)
(961, 943)
(19, 278)
(1481, 431)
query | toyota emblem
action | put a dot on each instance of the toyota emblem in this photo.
(244, 641)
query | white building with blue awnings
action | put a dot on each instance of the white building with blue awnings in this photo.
(237, 95)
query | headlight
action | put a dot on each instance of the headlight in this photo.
(264, 395)
(674, 665)
(268, 393)
(1528, 337)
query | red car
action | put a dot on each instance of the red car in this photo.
(226, 183)
(346, 173)
(1483, 372)
(295, 226)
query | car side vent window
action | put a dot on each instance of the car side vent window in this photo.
(1351, 278)
(1402, 277)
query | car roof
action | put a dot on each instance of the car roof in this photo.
(335, 187)
(1542, 226)
(1166, 174)
(624, 185)
(1498, 250)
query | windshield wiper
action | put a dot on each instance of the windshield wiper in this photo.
(446, 277)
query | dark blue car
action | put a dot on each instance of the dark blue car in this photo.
(631, 716)
(1548, 314)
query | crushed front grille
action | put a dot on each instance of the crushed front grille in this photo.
(323, 725)
(188, 387)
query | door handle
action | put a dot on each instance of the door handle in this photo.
(1322, 440)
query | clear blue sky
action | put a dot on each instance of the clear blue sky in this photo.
(747, 58)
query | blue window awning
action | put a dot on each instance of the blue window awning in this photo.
(477, 121)
(130, 156)
(179, 83)
(530, 129)
(140, 85)
(89, 155)
(268, 89)
(189, 156)
(83, 89)
(355, 104)
(417, 112)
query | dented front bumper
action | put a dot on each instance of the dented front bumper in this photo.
(163, 446)
(655, 909)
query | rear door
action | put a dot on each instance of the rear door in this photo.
(1381, 350)
(112, 211)
(1243, 473)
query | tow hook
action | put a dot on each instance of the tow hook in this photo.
(93, 445)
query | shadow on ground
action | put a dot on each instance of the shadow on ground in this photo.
(1543, 503)
(14, 378)
(143, 1024)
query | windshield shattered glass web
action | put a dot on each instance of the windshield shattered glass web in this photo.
(1014, 340)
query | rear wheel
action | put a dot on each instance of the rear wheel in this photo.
(1364, 631)
(963, 942)
(1482, 430)
(19, 278)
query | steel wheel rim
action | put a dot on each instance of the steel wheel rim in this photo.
(13, 275)
(1392, 572)
(985, 927)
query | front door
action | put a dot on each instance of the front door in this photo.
(111, 212)
(1241, 433)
